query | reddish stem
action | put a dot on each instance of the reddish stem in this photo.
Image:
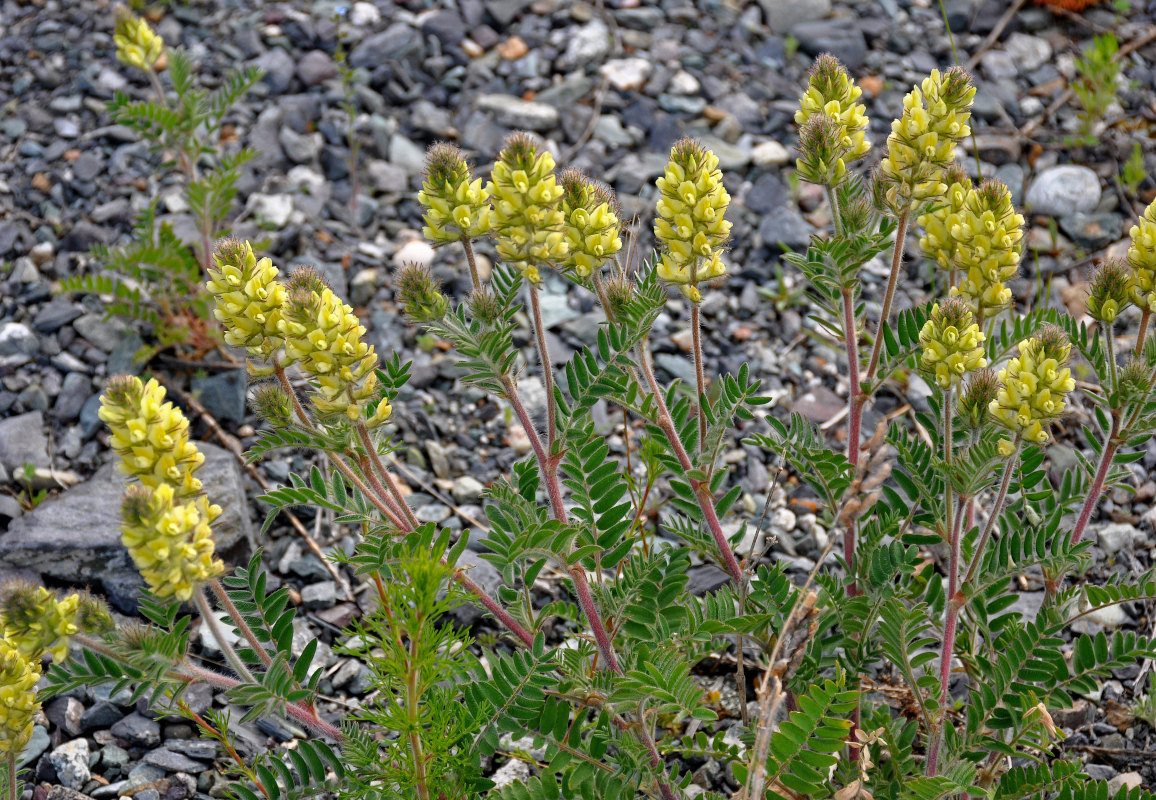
(1106, 456)
(855, 402)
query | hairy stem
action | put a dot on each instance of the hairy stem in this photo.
(239, 621)
(601, 635)
(996, 508)
(468, 246)
(13, 785)
(855, 402)
(494, 608)
(1140, 334)
(701, 490)
(836, 212)
(218, 631)
(1113, 369)
(547, 369)
(1107, 453)
(411, 708)
(552, 488)
(699, 374)
(390, 488)
(889, 297)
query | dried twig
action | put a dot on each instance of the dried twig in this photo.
(1000, 24)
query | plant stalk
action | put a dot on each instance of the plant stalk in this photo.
(855, 402)
(699, 373)
(238, 620)
(1142, 332)
(391, 487)
(547, 369)
(1107, 453)
(218, 631)
(1000, 497)
(13, 784)
(468, 246)
(836, 212)
(411, 704)
(889, 297)
(701, 490)
(552, 489)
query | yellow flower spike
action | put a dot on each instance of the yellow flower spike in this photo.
(952, 343)
(987, 233)
(1142, 259)
(937, 243)
(1034, 385)
(456, 204)
(691, 223)
(1111, 291)
(35, 621)
(592, 223)
(831, 93)
(325, 337)
(528, 222)
(18, 704)
(151, 436)
(920, 147)
(170, 540)
(248, 298)
(822, 151)
(137, 44)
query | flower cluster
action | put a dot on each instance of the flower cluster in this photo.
(248, 298)
(165, 518)
(137, 44)
(18, 704)
(170, 541)
(988, 233)
(527, 219)
(1033, 386)
(826, 149)
(952, 343)
(457, 205)
(35, 621)
(325, 337)
(592, 226)
(1111, 291)
(151, 436)
(920, 147)
(1142, 258)
(420, 295)
(937, 242)
(690, 220)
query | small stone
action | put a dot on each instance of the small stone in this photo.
(75, 391)
(17, 339)
(66, 713)
(467, 490)
(364, 15)
(1064, 190)
(22, 441)
(833, 36)
(223, 394)
(1128, 780)
(1093, 231)
(319, 595)
(785, 227)
(278, 68)
(1120, 536)
(415, 251)
(387, 177)
(273, 210)
(769, 153)
(70, 761)
(139, 730)
(363, 286)
(406, 154)
(626, 74)
(513, 48)
(684, 83)
(42, 253)
(819, 404)
(434, 512)
(87, 167)
(591, 42)
(1029, 52)
(513, 112)
(101, 716)
(1108, 617)
(173, 762)
(35, 747)
(783, 15)
(103, 333)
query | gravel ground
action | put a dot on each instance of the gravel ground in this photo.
(609, 87)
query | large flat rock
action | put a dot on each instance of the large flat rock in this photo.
(76, 537)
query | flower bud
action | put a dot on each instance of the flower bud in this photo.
(528, 222)
(248, 298)
(1034, 385)
(18, 704)
(420, 295)
(592, 226)
(620, 293)
(272, 404)
(824, 149)
(922, 141)
(1142, 259)
(690, 221)
(822, 152)
(981, 389)
(1111, 291)
(951, 343)
(484, 306)
(457, 205)
(137, 44)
